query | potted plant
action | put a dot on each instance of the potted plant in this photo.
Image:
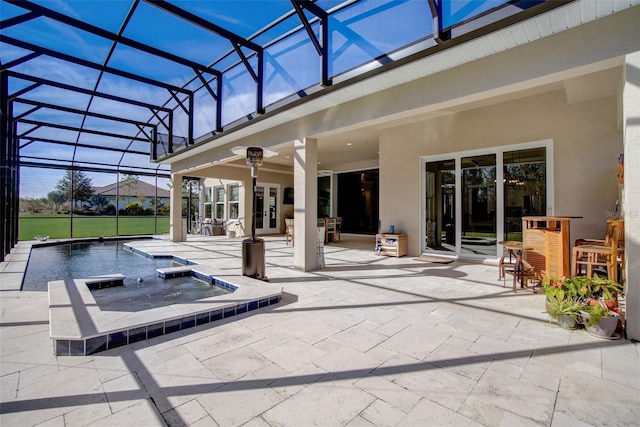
(576, 288)
(565, 311)
(599, 321)
(604, 289)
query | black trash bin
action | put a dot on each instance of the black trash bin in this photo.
(253, 259)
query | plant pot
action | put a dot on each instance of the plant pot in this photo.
(566, 321)
(605, 328)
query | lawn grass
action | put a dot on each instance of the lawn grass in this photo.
(59, 226)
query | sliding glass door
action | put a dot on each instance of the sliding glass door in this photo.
(440, 209)
(479, 220)
(525, 190)
(473, 200)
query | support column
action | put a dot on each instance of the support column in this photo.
(631, 194)
(176, 233)
(305, 204)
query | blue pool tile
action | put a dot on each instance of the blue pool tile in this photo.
(202, 318)
(188, 322)
(137, 334)
(228, 312)
(253, 305)
(241, 308)
(62, 347)
(155, 330)
(96, 344)
(117, 339)
(274, 300)
(263, 303)
(76, 348)
(216, 315)
(171, 326)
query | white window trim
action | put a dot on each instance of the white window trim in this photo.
(230, 202)
(499, 152)
(215, 202)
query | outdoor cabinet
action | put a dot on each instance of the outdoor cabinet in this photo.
(546, 243)
(391, 244)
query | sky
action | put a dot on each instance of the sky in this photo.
(358, 34)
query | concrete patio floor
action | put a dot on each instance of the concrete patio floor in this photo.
(367, 341)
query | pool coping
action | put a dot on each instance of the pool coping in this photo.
(79, 327)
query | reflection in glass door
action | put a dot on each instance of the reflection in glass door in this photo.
(525, 185)
(266, 209)
(479, 208)
(440, 205)
(324, 196)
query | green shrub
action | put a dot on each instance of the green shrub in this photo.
(134, 208)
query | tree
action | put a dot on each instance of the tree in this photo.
(56, 198)
(129, 186)
(100, 201)
(76, 186)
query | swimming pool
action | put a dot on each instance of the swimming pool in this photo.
(140, 289)
(86, 259)
(79, 325)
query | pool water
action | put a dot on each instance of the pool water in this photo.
(142, 289)
(138, 296)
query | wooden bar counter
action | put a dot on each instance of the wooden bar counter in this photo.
(548, 236)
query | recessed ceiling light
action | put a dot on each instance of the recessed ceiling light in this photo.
(348, 143)
(287, 157)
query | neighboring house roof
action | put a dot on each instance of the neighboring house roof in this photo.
(143, 188)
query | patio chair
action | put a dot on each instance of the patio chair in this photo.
(288, 230)
(608, 253)
(338, 228)
(330, 231)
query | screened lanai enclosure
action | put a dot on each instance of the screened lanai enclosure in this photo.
(99, 96)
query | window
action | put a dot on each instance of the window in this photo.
(218, 199)
(207, 202)
(234, 201)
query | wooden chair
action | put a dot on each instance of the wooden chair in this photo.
(338, 227)
(608, 253)
(288, 230)
(330, 230)
(602, 242)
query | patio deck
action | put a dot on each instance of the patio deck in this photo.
(369, 340)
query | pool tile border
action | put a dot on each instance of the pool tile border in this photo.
(85, 347)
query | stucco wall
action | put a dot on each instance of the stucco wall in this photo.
(586, 145)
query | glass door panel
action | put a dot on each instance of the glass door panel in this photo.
(525, 183)
(267, 208)
(440, 205)
(259, 207)
(273, 208)
(324, 196)
(479, 208)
